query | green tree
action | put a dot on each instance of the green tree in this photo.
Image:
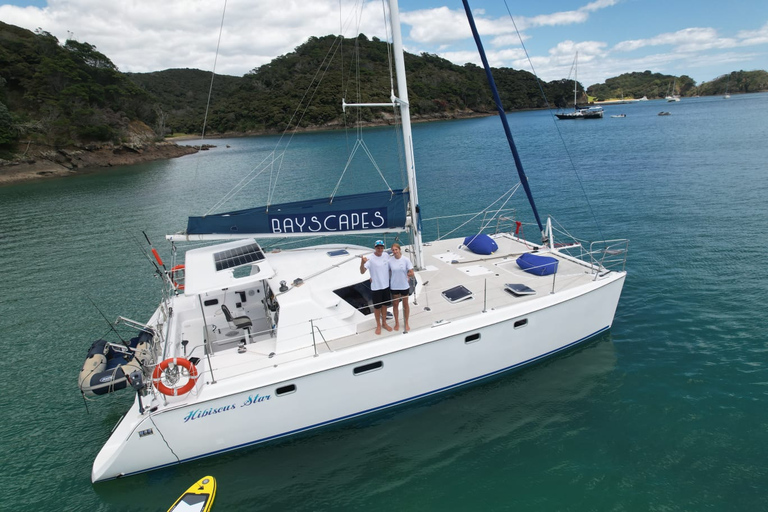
(8, 132)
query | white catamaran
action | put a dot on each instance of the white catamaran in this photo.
(254, 345)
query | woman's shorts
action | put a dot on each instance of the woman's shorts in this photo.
(402, 293)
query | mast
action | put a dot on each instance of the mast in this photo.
(405, 116)
(502, 115)
(575, 80)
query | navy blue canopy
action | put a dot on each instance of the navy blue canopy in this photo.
(360, 212)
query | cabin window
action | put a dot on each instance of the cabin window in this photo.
(472, 338)
(211, 302)
(339, 252)
(245, 271)
(286, 390)
(370, 367)
(521, 323)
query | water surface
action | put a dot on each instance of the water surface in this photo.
(666, 412)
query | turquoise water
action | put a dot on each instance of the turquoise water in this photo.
(666, 412)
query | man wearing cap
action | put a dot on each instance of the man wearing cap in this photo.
(378, 266)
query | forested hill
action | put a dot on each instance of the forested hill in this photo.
(656, 85)
(269, 97)
(181, 96)
(70, 94)
(62, 94)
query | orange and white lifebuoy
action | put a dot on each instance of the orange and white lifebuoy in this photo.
(177, 269)
(157, 375)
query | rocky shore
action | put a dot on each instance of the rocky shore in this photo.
(42, 162)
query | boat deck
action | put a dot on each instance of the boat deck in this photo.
(339, 326)
(447, 265)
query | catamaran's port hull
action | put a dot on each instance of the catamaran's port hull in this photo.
(340, 385)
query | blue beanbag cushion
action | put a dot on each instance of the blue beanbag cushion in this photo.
(537, 265)
(481, 244)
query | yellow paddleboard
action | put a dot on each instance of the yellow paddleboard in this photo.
(198, 498)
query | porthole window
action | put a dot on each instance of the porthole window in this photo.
(286, 390)
(521, 323)
(472, 338)
(370, 367)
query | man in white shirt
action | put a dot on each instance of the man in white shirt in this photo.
(378, 266)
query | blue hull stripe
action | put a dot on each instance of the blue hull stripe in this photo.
(374, 409)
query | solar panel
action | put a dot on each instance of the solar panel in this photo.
(238, 256)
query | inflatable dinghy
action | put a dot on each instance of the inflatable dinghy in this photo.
(108, 365)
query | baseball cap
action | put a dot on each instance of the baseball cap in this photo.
(379, 242)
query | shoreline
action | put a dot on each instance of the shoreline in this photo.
(70, 162)
(48, 163)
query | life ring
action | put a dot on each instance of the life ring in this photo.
(162, 367)
(180, 269)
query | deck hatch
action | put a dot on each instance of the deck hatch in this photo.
(238, 256)
(519, 289)
(457, 294)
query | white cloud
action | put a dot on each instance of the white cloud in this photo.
(508, 40)
(685, 40)
(442, 25)
(753, 37)
(146, 35)
(554, 19)
(436, 26)
(599, 4)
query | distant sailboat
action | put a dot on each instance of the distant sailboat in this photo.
(671, 96)
(727, 86)
(580, 113)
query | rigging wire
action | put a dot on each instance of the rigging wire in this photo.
(213, 75)
(275, 159)
(509, 192)
(560, 134)
(360, 141)
(276, 156)
(321, 71)
(398, 132)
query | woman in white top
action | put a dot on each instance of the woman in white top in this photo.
(400, 271)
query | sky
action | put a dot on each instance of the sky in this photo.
(703, 39)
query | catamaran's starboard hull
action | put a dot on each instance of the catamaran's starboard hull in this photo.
(359, 381)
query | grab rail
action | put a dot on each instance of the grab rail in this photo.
(501, 216)
(608, 255)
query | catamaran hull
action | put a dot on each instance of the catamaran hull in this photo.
(358, 381)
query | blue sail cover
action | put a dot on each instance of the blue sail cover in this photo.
(359, 212)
